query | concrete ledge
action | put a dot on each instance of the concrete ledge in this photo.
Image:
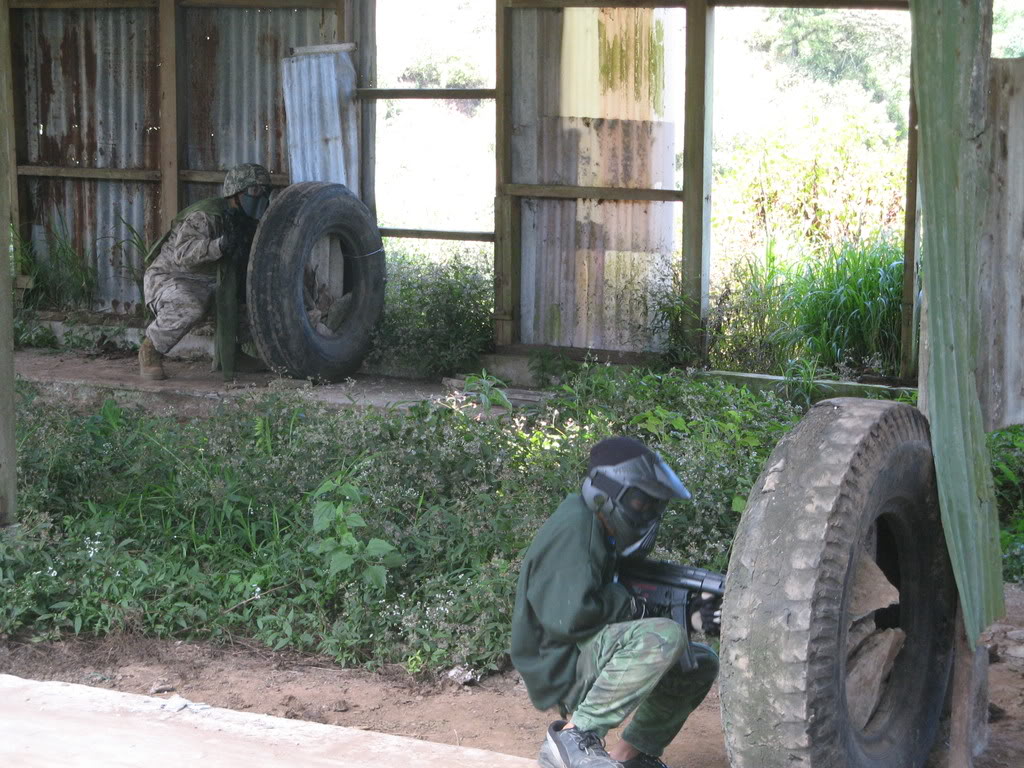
(49, 724)
(824, 388)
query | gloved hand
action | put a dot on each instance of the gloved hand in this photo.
(706, 614)
(239, 231)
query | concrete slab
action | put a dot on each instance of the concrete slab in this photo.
(81, 377)
(47, 724)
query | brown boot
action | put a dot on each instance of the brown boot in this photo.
(150, 362)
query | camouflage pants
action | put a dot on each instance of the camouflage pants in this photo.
(179, 304)
(634, 665)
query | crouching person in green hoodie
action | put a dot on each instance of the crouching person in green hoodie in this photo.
(580, 639)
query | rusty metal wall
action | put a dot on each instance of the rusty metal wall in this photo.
(1000, 375)
(232, 82)
(90, 99)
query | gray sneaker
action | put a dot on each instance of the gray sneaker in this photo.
(573, 748)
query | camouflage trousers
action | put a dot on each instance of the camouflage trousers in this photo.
(633, 665)
(179, 304)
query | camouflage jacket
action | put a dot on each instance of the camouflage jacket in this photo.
(191, 248)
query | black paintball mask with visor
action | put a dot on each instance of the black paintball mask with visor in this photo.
(630, 497)
(254, 200)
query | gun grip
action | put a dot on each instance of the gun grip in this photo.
(687, 662)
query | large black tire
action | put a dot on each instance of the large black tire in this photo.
(853, 476)
(299, 217)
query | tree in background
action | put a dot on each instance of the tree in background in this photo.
(1007, 31)
(865, 47)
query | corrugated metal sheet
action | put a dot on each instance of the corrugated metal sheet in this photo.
(1001, 350)
(91, 99)
(590, 109)
(234, 105)
(323, 117)
(590, 270)
(93, 214)
(91, 89)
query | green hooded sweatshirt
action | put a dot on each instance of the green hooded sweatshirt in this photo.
(565, 594)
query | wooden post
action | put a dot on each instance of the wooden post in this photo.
(367, 75)
(697, 170)
(8, 194)
(168, 31)
(507, 209)
(908, 356)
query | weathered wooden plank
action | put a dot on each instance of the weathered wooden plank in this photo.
(899, 5)
(571, 192)
(426, 93)
(103, 174)
(169, 151)
(367, 69)
(261, 4)
(1001, 339)
(8, 447)
(216, 177)
(697, 128)
(438, 234)
(951, 44)
(82, 4)
(908, 349)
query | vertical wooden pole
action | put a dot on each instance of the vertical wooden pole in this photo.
(168, 26)
(507, 209)
(696, 237)
(8, 195)
(908, 350)
(341, 29)
(367, 49)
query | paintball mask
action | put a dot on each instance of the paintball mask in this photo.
(629, 487)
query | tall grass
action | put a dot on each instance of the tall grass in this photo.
(847, 306)
(839, 307)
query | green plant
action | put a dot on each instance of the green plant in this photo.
(438, 313)
(801, 383)
(486, 390)
(548, 367)
(342, 551)
(62, 278)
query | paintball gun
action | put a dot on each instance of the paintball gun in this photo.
(668, 590)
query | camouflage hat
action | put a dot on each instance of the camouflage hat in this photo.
(245, 175)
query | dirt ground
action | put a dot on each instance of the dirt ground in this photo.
(494, 714)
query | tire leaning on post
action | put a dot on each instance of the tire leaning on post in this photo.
(300, 216)
(853, 481)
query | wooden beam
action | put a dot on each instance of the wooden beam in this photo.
(262, 5)
(507, 209)
(438, 234)
(8, 193)
(569, 192)
(102, 174)
(696, 238)
(168, 45)
(908, 348)
(82, 4)
(343, 8)
(217, 177)
(425, 93)
(367, 78)
(900, 5)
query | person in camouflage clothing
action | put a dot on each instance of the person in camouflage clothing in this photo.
(180, 282)
(580, 639)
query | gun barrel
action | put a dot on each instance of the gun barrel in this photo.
(670, 574)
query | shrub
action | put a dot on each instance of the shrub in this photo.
(437, 312)
(275, 518)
